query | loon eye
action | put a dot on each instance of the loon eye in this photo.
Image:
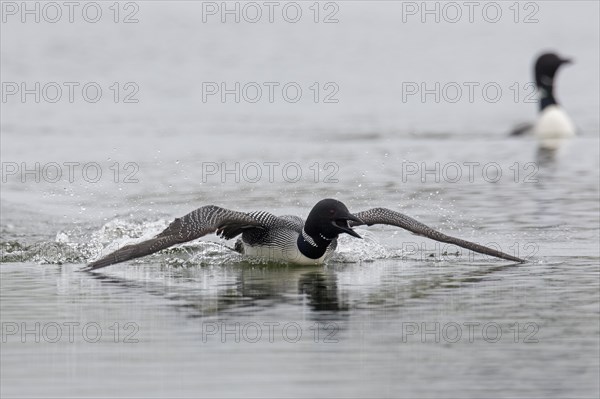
(332, 212)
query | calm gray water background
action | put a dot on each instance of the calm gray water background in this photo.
(393, 315)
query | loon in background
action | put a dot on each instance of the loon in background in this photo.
(553, 125)
(282, 238)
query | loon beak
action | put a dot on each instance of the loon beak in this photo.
(342, 224)
(566, 61)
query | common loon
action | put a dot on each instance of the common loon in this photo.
(282, 238)
(553, 125)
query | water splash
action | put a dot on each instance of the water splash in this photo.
(351, 250)
(77, 247)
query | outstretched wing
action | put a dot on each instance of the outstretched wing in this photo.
(386, 216)
(202, 221)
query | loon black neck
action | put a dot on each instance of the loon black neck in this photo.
(314, 246)
(546, 96)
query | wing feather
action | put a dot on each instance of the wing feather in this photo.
(392, 218)
(202, 221)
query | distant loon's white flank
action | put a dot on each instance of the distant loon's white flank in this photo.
(553, 127)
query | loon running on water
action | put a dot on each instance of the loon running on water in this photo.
(283, 238)
(553, 125)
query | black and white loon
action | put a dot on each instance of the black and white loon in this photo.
(282, 238)
(553, 125)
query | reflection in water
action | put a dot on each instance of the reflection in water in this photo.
(546, 156)
(322, 291)
(365, 305)
(252, 288)
(549, 155)
(201, 293)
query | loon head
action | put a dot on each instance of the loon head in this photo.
(329, 218)
(545, 68)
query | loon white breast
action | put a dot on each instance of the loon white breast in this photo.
(553, 127)
(287, 253)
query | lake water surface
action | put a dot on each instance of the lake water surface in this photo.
(392, 315)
